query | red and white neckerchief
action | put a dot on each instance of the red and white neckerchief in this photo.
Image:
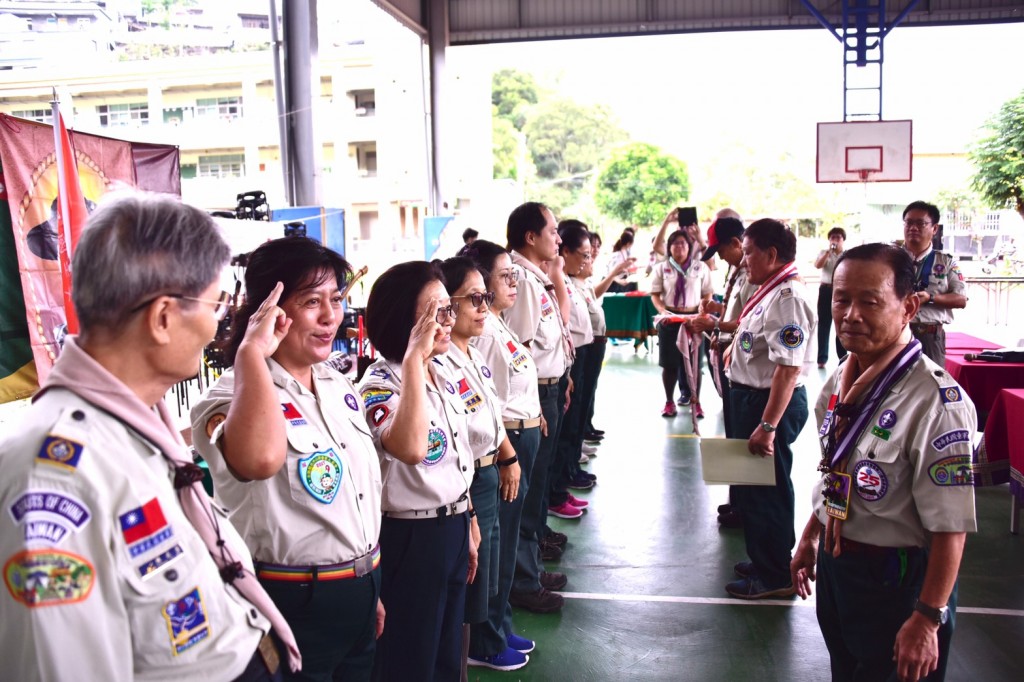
(786, 273)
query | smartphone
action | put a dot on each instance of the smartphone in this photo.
(687, 215)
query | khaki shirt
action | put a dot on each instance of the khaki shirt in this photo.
(829, 267)
(594, 308)
(911, 469)
(742, 290)
(580, 327)
(534, 319)
(323, 506)
(780, 330)
(445, 474)
(944, 278)
(698, 284)
(106, 578)
(475, 387)
(512, 369)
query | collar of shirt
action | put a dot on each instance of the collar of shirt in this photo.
(281, 377)
(919, 259)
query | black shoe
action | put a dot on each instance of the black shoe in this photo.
(744, 569)
(582, 481)
(730, 520)
(593, 437)
(724, 508)
(553, 581)
(541, 601)
(556, 539)
(596, 432)
(550, 552)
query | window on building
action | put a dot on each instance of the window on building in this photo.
(364, 102)
(221, 166)
(37, 115)
(366, 161)
(367, 222)
(116, 115)
(219, 107)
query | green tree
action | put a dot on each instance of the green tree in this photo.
(639, 184)
(999, 158)
(505, 144)
(569, 140)
(512, 94)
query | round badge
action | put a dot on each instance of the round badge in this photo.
(746, 341)
(791, 336)
(870, 481)
(437, 446)
(486, 371)
(939, 268)
(350, 400)
(759, 309)
(887, 420)
(448, 387)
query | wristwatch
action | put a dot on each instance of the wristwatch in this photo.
(939, 616)
(767, 427)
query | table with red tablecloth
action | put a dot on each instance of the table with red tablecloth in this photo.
(1001, 457)
(980, 379)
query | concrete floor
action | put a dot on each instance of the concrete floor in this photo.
(647, 565)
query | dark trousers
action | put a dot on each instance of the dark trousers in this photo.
(489, 637)
(825, 325)
(257, 670)
(933, 344)
(535, 507)
(334, 623)
(594, 366)
(768, 510)
(863, 601)
(726, 409)
(423, 588)
(570, 435)
(484, 493)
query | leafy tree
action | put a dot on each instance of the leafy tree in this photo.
(999, 157)
(640, 184)
(512, 93)
(567, 139)
(505, 143)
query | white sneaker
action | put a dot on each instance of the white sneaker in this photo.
(589, 449)
(583, 458)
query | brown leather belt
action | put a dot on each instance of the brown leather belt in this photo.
(517, 424)
(863, 549)
(487, 460)
(925, 328)
(548, 382)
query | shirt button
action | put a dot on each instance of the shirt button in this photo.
(343, 446)
(315, 445)
(78, 415)
(871, 455)
(464, 467)
(360, 496)
(253, 613)
(171, 575)
(456, 434)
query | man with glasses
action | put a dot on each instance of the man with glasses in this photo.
(939, 283)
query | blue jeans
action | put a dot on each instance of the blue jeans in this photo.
(490, 637)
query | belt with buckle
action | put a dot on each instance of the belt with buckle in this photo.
(517, 424)
(548, 382)
(452, 509)
(925, 328)
(864, 549)
(356, 568)
(735, 385)
(487, 460)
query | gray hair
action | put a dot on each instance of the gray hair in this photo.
(140, 246)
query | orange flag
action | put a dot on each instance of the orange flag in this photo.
(71, 209)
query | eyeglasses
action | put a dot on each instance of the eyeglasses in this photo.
(443, 313)
(220, 306)
(510, 277)
(920, 222)
(478, 299)
(585, 256)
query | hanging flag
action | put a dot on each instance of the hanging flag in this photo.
(71, 210)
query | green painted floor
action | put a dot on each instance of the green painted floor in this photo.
(647, 565)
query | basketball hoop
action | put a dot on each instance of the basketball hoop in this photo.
(864, 173)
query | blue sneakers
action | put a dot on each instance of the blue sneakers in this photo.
(521, 644)
(509, 659)
(752, 588)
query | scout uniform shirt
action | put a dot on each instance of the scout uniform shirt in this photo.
(779, 330)
(594, 309)
(580, 327)
(475, 388)
(829, 267)
(512, 369)
(323, 506)
(106, 578)
(698, 284)
(534, 319)
(940, 273)
(444, 475)
(742, 290)
(910, 471)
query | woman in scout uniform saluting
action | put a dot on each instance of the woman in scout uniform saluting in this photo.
(495, 461)
(492, 643)
(287, 444)
(421, 430)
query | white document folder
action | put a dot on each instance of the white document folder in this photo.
(727, 461)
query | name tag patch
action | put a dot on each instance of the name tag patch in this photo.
(470, 397)
(320, 474)
(546, 309)
(48, 516)
(950, 471)
(186, 621)
(870, 481)
(518, 356)
(60, 451)
(46, 577)
(951, 437)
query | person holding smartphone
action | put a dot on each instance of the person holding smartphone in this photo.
(826, 262)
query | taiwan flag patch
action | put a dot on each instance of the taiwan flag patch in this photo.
(292, 414)
(143, 522)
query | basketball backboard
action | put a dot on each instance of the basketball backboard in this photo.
(865, 151)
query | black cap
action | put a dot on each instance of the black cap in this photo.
(721, 232)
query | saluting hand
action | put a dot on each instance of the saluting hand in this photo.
(426, 333)
(268, 325)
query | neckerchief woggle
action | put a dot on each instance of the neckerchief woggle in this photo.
(787, 272)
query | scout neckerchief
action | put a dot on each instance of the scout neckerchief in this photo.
(680, 289)
(925, 270)
(716, 375)
(689, 343)
(77, 372)
(845, 423)
(783, 274)
(521, 260)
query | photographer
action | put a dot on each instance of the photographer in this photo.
(826, 262)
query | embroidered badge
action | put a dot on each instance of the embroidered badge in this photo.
(837, 504)
(61, 452)
(468, 395)
(518, 356)
(145, 527)
(746, 341)
(448, 386)
(437, 446)
(186, 621)
(879, 432)
(870, 481)
(486, 371)
(950, 471)
(950, 437)
(939, 270)
(48, 516)
(44, 577)
(791, 336)
(162, 560)
(379, 414)
(380, 372)
(950, 394)
(759, 309)
(374, 396)
(320, 474)
(546, 309)
(887, 419)
(292, 414)
(350, 400)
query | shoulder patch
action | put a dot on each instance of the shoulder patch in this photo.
(791, 336)
(46, 577)
(373, 396)
(951, 437)
(950, 394)
(47, 516)
(952, 471)
(61, 452)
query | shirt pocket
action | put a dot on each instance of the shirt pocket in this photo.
(877, 472)
(314, 468)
